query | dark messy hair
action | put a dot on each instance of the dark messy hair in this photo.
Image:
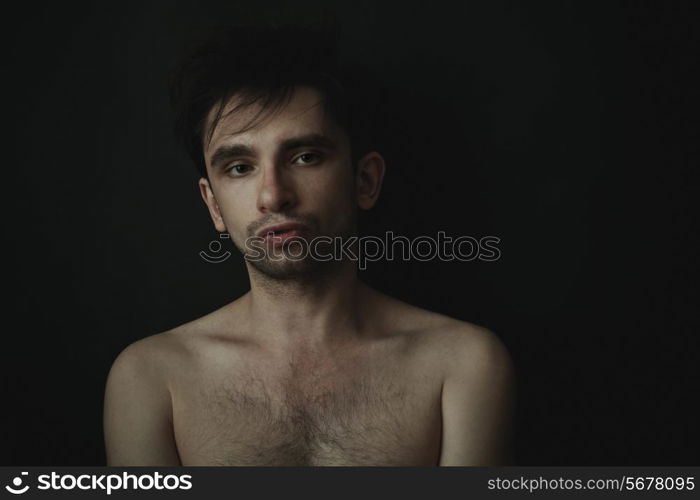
(264, 65)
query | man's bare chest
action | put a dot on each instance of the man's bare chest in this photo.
(379, 417)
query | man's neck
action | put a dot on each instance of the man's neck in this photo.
(318, 313)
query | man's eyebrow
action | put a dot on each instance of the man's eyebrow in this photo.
(227, 151)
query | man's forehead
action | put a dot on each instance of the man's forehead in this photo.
(304, 112)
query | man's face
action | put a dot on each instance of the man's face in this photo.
(292, 167)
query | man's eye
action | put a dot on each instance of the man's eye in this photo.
(238, 169)
(307, 158)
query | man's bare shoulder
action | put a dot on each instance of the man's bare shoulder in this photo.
(138, 401)
(146, 361)
(460, 345)
(478, 383)
(170, 348)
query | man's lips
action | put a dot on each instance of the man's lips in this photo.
(287, 229)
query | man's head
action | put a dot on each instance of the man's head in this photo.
(280, 132)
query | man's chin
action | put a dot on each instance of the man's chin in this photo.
(287, 269)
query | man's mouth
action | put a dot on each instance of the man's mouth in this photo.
(279, 233)
(276, 238)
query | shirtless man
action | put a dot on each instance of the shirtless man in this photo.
(311, 366)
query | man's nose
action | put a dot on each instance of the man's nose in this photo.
(276, 192)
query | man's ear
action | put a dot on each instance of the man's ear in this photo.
(210, 200)
(368, 179)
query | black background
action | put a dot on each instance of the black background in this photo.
(567, 130)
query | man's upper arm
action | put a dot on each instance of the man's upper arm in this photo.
(477, 402)
(138, 412)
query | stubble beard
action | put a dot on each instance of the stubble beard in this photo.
(284, 264)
